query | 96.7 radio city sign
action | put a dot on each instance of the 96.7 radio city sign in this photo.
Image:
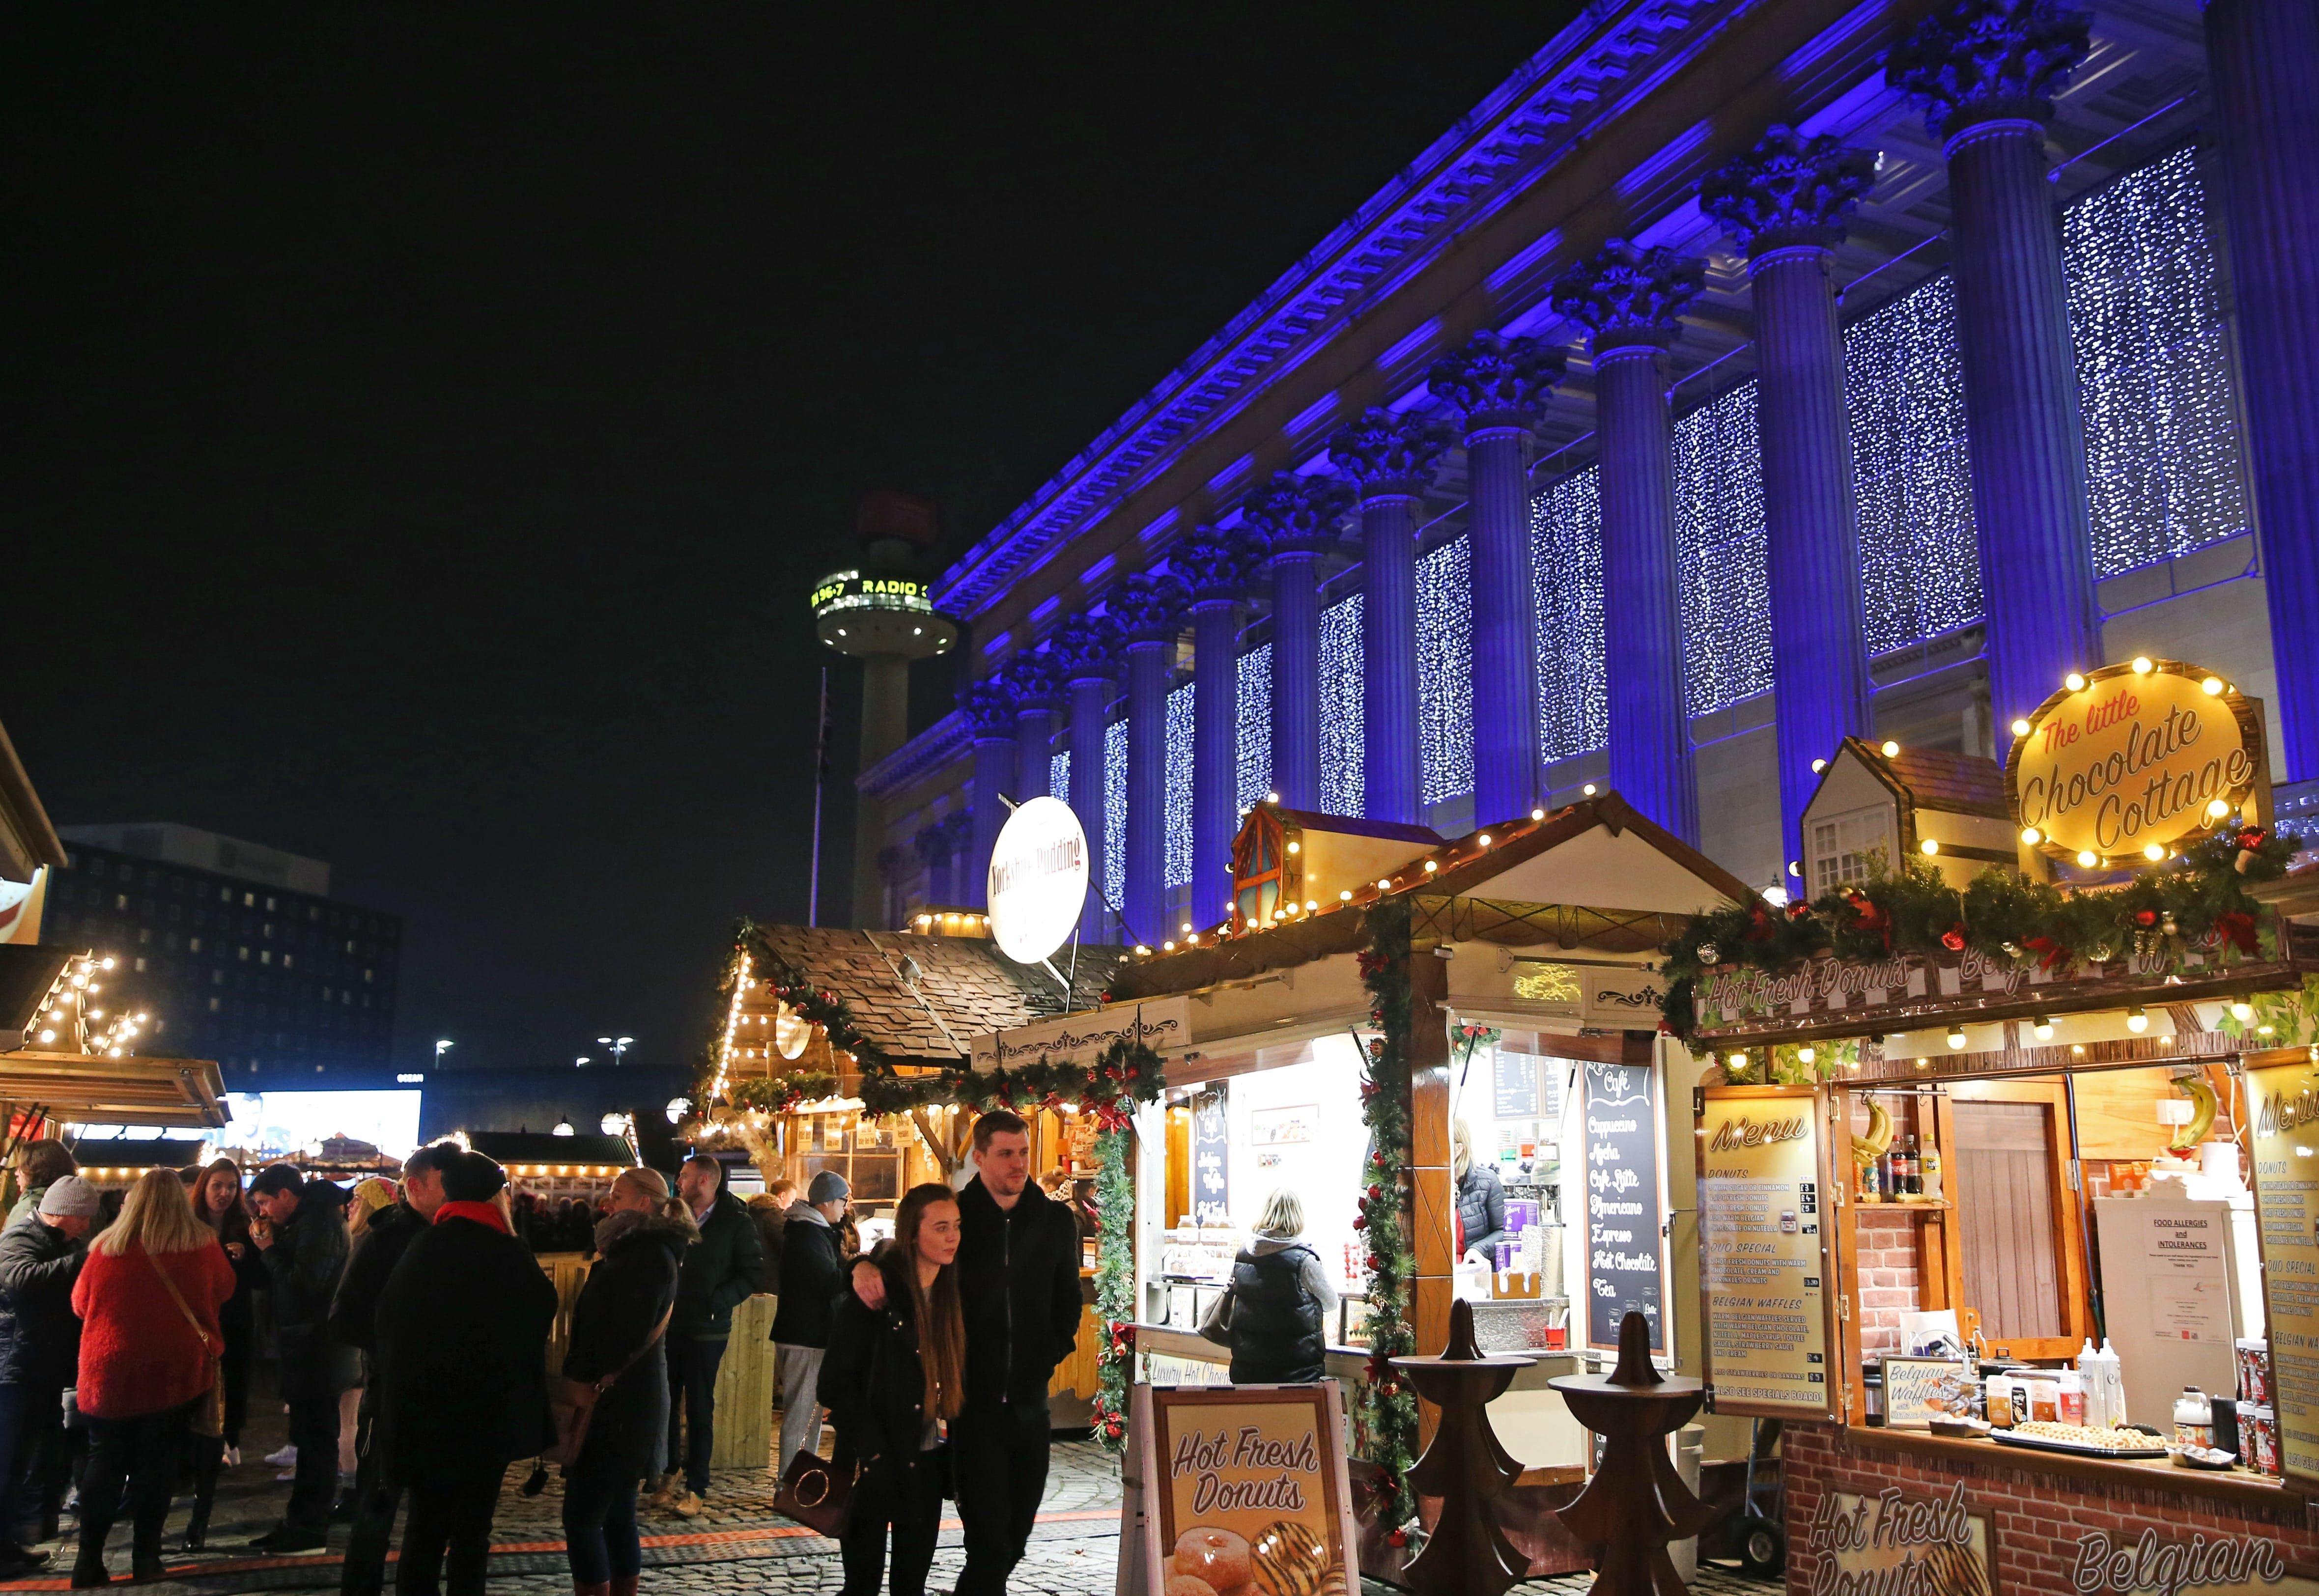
(2124, 762)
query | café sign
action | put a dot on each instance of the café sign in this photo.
(2125, 762)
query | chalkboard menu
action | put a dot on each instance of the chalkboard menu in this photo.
(1625, 1204)
(1515, 1082)
(1211, 1157)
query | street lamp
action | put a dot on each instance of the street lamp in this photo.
(618, 1044)
(443, 1044)
(562, 1128)
(678, 1107)
(581, 1063)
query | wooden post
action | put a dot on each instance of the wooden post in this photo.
(1433, 1189)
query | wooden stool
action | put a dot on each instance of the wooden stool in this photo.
(1466, 1467)
(1637, 1503)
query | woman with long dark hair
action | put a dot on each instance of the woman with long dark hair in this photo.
(893, 1379)
(215, 1190)
(148, 1298)
(617, 1327)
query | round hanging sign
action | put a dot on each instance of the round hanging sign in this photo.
(2127, 762)
(1038, 879)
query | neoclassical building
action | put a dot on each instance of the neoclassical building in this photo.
(1734, 378)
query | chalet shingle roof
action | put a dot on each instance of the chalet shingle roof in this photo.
(1940, 779)
(964, 987)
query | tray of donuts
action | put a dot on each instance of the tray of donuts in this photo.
(1285, 1558)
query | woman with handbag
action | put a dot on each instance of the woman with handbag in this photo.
(894, 1378)
(616, 1379)
(215, 1189)
(148, 1298)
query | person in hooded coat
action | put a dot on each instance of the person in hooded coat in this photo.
(618, 1334)
(301, 1235)
(1276, 1317)
(462, 1327)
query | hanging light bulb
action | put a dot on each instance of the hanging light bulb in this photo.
(2137, 1020)
(1956, 1038)
(2044, 1027)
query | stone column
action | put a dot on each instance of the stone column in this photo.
(989, 711)
(1392, 459)
(1038, 694)
(1499, 385)
(1293, 524)
(1213, 567)
(1630, 299)
(1151, 612)
(1985, 69)
(1785, 201)
(1086, 654)
(2263, 56)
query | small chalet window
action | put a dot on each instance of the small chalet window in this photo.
(1848, 847)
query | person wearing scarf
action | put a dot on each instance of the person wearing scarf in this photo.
(462, 1325)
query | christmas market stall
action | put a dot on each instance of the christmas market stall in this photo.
(855, 1052)
(2004, 1141)
(1388, 1020)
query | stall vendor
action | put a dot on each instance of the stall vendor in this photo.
(1481, 1200)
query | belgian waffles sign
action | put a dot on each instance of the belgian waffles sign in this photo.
(2123, 764)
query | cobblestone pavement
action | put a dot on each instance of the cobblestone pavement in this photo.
(738, 1544)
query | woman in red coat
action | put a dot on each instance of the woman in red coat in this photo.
(148, 1298)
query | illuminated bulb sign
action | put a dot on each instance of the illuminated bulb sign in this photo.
(2131, 760)
(850, 589)
(1038, 879)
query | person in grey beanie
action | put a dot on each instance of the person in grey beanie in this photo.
(811, 1279)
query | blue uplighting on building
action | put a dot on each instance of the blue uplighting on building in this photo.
(1566, 547)
(1341, 707)
(1179, 786)
(1444, 672)
(1720, 554)
(1252, 733)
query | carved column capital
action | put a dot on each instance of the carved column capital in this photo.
(1630, 297)
(1497, 381)
(1295, 515)
(1989, 60)
(1212, 563)
(1389, 455)
(1149, 608)
(1789, 191)
(1033, 682)
(988, 705)
(1086, 648)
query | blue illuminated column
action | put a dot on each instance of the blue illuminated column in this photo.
(2264, 57)
(1213, 566)
(1038, 696)
(1786, 202)
(989, 709)
(1499, 385)
(1293, 523)
(1392, 459)
(1151, 611)
(1630, 299)
(1087, 655)
(1985, 69)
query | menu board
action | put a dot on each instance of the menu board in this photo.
(1515, 1078)
(2283, 1100)
(1625, 1204)
(1212, 1156)
(1764, 1252)
(1237, 1488)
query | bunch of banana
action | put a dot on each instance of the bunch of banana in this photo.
(1866, 1149)
(2202, 1117)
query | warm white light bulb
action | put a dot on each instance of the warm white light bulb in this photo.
(1928, 846)
(2143, 664)
(1891, 748)
(2074, 683)
(2137, 1021)
(2088, 858)
(2032, 835)
(2021, 728)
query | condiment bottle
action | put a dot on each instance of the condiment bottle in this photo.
(2194, 1418)
(2073, 1398)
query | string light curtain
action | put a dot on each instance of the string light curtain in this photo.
(2162, 451)
(1114, 812)
(1444, 672)
(1565, 563)
(1179, 786)
(1253, 728)
(1720, 554)
(1341, 707)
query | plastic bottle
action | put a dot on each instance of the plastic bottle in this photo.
(2089, 1381)
(1916, 1168)
(1928, 1169)
(2113, 1375)
(2194, 1418)
(2073, 1398)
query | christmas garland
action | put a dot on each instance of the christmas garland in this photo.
(1114, 1286)
(1384, 1424)
(2193, 898)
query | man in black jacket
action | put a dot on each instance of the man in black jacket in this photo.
(354, 1320)
(40, 1355)
(301, 1234)
(811, 1277)
(721, 1270)
(1018, 1275)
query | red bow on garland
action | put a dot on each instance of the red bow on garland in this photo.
(2236, 927)
(2056, 956)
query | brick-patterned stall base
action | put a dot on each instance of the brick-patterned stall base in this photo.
(2037, 1517)
(1890, 1285)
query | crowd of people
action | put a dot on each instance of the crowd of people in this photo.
(410, 1322)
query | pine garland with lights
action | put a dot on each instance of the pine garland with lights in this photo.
(1384, 1424)
(1114, 1286)
(1999, 915)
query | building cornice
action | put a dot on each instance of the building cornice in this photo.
(949, 738)
(1585, 75)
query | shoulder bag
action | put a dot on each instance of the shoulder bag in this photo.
(574, 1402)
(818, 1492)
(209, 1418)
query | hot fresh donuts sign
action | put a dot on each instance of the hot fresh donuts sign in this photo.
(1243, 1493)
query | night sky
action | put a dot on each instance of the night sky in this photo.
(423, 423)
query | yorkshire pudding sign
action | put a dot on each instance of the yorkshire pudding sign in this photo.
(1038, 879)
(2125, 762)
